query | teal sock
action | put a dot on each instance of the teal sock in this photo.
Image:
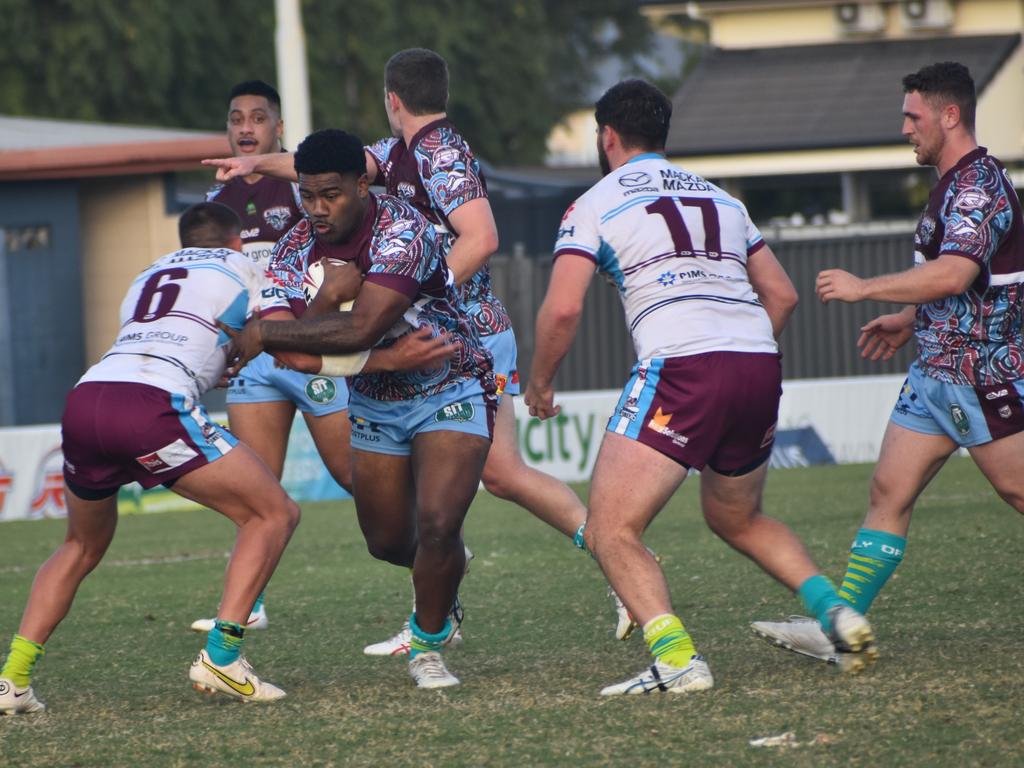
(224, 642)
(422, 642)
(874, 556)
(579, 541)
(259, 602)
(819, 596)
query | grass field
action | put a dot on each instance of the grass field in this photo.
(948, 690)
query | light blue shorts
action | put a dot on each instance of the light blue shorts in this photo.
(261, 381)
(502, 347)
(389, 426)
(967, 415)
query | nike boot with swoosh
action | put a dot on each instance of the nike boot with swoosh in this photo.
(18, 701)
(237, 680)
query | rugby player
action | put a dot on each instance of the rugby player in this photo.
(705, 299)
(428, 163)
(262, 399)
(965, 301)
(419, 439)
(136, 416)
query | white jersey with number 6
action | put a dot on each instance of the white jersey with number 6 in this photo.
(676, 247)
(169, 336)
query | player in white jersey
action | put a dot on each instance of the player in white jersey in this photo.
(135, 416)
(704, 299)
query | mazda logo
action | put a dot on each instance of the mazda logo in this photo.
(635, 179)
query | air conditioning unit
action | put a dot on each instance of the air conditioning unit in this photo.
(926, 14)
(860, 18)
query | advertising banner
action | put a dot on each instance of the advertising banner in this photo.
(821, 421)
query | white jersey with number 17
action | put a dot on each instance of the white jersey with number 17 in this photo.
(676, 247)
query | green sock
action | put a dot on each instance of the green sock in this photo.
(20, 660)
(421, 641)
(819, 596)
(873, 558)
(668, 640)
(224, 642)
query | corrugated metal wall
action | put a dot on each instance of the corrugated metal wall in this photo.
(820, 340)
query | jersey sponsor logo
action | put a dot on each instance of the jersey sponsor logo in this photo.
(321, 389)
(659, 423)
(170, 456)
(445, 157)
(405, 189)
(566, 232)
(960, 419)
(682, 181)
(250, 208)
(502, 380)
(461, 412)
(667, 279)
(568, 210)
(971, 199)
(129, 338)
(248, 234)
(635, 179)
(769, 436)
(997, 395)
(925, 231)
(277, 217)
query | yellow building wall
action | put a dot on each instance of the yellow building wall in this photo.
(988, 17)
(748, 27)
(1000, 116)
(124, 228)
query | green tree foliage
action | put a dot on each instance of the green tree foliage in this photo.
(517, 66)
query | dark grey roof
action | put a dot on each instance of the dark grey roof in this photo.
(814, 96)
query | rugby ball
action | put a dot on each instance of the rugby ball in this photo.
(314, 278)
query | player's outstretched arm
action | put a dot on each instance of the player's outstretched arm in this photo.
(773, 287)
(946, 276)
(557, 320)
(280, 165)
(476, 238)
(880, 338)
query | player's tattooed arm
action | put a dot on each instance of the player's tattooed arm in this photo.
(377, 309)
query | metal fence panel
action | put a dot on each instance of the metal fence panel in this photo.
(819, 342)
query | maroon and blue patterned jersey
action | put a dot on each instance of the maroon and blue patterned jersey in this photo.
(397, 248)
(437, 173)
(975, 337)
(268, 209)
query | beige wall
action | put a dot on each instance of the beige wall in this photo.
(1000, 118)
(749, 27)
(124, 228)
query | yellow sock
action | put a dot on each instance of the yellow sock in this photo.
(20, 660)
(668, 640)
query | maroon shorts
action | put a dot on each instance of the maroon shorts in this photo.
(119, 432)
(718, 409)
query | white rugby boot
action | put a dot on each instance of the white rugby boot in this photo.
(398, 644)
(429, 671)
(805, 636)
(237, 680)
(696, 676)
(18, 701)
(257, 620)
